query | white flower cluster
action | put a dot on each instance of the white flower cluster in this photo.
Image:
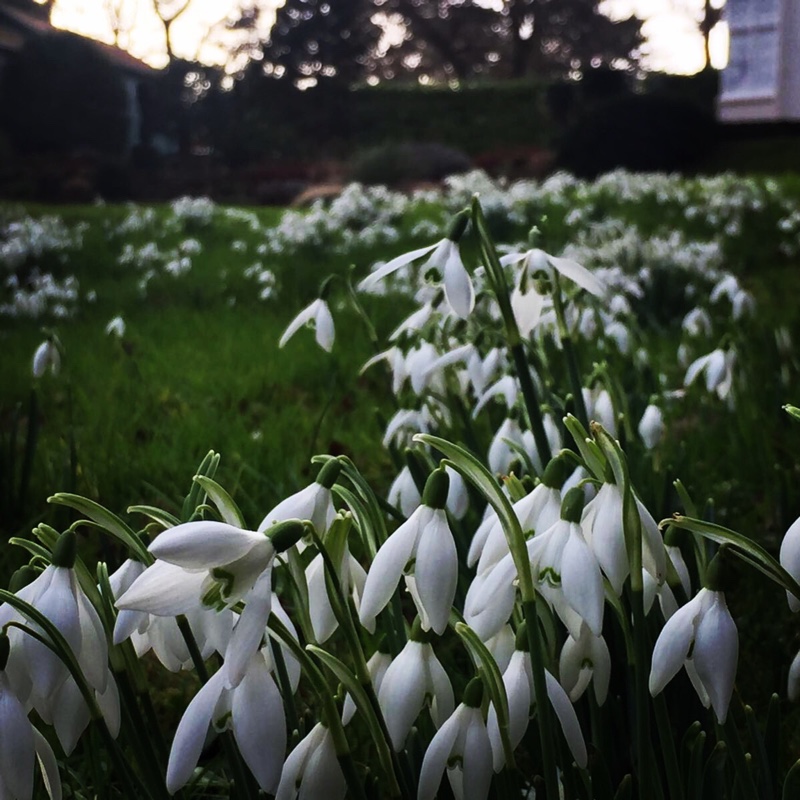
(197, 211)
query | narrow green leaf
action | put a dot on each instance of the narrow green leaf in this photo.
(208, 468)
(475, 472)
(33, 548)
(590, 453)
(791, 785)
(688, 504)
(792, 411)
(494, 682)
(104, 518)
(694, 779)
(222, 500)
(625, 789)
(741, 546)
(163, 518)
(356, 691)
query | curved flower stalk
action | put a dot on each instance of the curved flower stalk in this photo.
(312, 769)
(253, 710)
(701, 636)
(318, 316)
(424, 540)
(412, 679)
(518, 682)
(21, 745)
(462, 746)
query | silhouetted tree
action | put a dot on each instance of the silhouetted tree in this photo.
(322, 39)
(548, 38)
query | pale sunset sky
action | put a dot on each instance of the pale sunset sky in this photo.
(673, 41)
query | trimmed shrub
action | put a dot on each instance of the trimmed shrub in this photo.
(394, 164)
(646, 133)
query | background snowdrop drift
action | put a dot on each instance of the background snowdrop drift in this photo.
(482, 582)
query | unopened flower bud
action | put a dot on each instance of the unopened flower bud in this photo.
(66, 550)
(436, 489)
(285, 534)
(458, 225)
(329, 473)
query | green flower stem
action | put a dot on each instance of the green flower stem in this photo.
(343, 612)
(191, 644)
(729, 733)
(240, 779)
(671, 765)
(569, 352)
(497, 280)
(330, 713)
(543, 715)
(286, 688)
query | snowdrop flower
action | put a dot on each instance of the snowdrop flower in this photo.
(507, 387)
(697, 322)
(717, 367)
(602, 523)
(57, 594)
(253, 710)
(585, 660)
(462, 747)
(457, 496)
(314, 503)
(600, 408)
(793, 683)
(404, 494)
(537, 511)
(703, 627)
(446, 260)
(318, 316)
(426, 540)
(351, 578)
(312, 769)
(116, 327)
(501, 452)
(215, 565)
(46, 357)
(21, 745)
(526, 302)
(397, 361)
(651, 426)
(412, 679)
(790, 559)
(564, 568)
(518, 682)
